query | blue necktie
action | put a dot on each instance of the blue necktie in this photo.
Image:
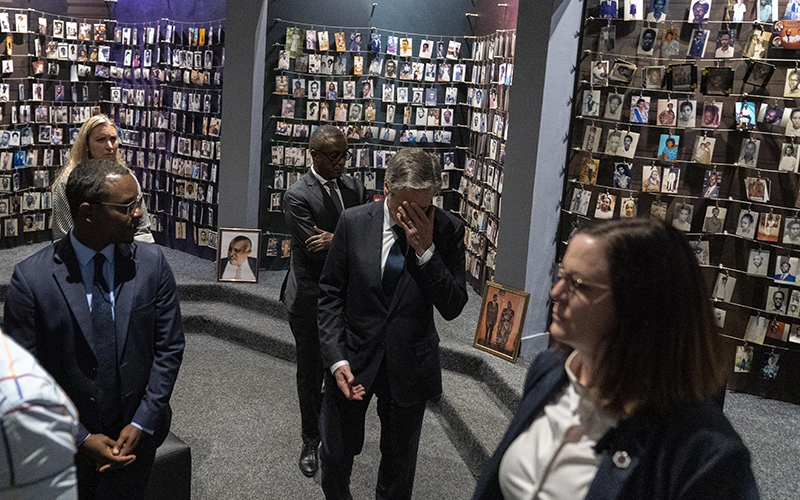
(395, 262)
(105, 336)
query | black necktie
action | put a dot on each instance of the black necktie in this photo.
(331, 185)
(105, 336)
(393, 269)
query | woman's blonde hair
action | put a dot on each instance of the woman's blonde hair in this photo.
(80, 150)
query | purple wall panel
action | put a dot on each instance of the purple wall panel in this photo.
(492, 18)
(140, 11)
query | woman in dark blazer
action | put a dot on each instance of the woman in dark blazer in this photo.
(629, 412)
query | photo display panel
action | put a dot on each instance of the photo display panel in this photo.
(691, 116)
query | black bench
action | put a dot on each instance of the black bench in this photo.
(171, 478)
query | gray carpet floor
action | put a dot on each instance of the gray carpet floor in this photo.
(237, 409)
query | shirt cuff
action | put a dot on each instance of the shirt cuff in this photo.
(421, 261)
(338, 364)
(148, 431)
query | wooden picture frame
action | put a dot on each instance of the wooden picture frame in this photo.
(249, 272)
(503, 337)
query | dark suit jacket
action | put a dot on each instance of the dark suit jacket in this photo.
(47, 313)
(251, 261)
(688, 453)
(305, 207)
(358, 324)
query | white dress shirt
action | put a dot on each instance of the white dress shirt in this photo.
(554, 459)
(334, 186)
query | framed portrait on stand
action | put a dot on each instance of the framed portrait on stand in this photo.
(502, 318)
(238, 255)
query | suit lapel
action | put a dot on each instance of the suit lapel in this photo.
(67, 273)
(349, 196)
(327, 216)
(124, 287)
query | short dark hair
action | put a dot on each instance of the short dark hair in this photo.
(87, 182)
(657, 357)
(613, 97)
(324, 134)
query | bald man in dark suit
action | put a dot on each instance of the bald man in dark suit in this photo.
(312, 206)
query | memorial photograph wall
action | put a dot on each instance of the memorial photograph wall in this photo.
(388, 89)
(384, 89)
(54, 77)
(166, 96)
(688, 112)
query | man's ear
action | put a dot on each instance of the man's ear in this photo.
(85, 212)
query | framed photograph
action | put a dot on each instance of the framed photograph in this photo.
(784, 32)
(758, 73)
(723, 289)
(671, 46)
(717, 81)
(768, 227)
(652, 77)
(647, 41)
(599, 73)
(657, 10)
(640, 109)
(756, 330)
(666, 112)
(698, 12)
(697, 48)
(682, 77)
(786, 269)
(703, 151)
(607, 39)
(628, 146)
(712, 112)
(499, 330)
(758, 262)
(687, 113)
(715, 219)
(725, 40)
(622, 71)
(240, 263)
(632, 10)
(613, 110)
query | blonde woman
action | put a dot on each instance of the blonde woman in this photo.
(97, 139)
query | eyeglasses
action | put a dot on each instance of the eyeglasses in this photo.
(571, 283)
(130, 208)
(336, 157)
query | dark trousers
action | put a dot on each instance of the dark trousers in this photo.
(342, 429)
(309, 374)
(128, 483)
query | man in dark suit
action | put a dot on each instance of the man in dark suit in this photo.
(116, 349)
(312, 211)
(389, 265)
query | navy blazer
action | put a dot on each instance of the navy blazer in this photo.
(47, 313)
(688, 453)
(358, 324)
(305, 206)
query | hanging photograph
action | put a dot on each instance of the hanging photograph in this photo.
(682, 77)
